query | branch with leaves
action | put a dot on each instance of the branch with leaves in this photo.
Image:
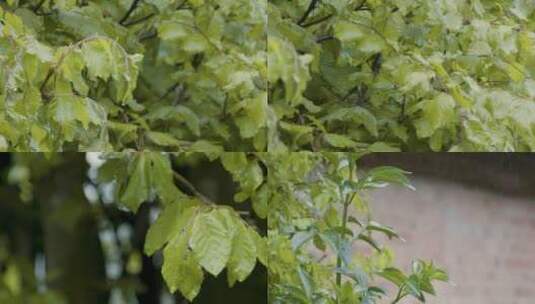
(196, 235)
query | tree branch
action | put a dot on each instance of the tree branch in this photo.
(38, 6)
(129, 12)
(309, 10)
(323, 38)
(317, 21)
(360, 6)
(139, 20)
(192, 188)
(148, 35)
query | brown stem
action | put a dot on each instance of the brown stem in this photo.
(192, 188)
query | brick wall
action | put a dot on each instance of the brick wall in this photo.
(484, 239)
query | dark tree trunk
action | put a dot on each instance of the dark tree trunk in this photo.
(74, 258)
(150, 276)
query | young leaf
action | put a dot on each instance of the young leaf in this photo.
(211, 239)
(138, 188)
(181, 270)
(173, 220)
(243, 255)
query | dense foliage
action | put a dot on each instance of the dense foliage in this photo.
(403, 74)
(216, 75)
(110, 75)
(324, 244)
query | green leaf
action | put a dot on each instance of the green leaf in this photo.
(180, 269)
(348, 31)
(99, 59)
(138, 188)
(211, 239)
(243, 255)
(339, 141)
(388, 231)
(260, 201)
(234, 162)
(393, 275)
(161, 5)
(354, 115)
(163, 139)
(381, 176)
(436, 113)
(173, 220)
(161, 176)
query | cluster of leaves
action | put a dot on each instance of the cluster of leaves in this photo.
(323, 242)
(402, 74)
(110, 75)
(195, 234)
(379, 75)
(52, 96)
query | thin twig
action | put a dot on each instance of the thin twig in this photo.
(148, 35)
(38, 6)
(192, 188)
(360, 6)
(309, 10)
(324, 38)
(129, 12)
(169, 91)
(317, 21)
(47, 78)
(398, 296)
(139, 20)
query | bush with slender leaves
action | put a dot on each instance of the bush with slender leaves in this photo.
(324, 244)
